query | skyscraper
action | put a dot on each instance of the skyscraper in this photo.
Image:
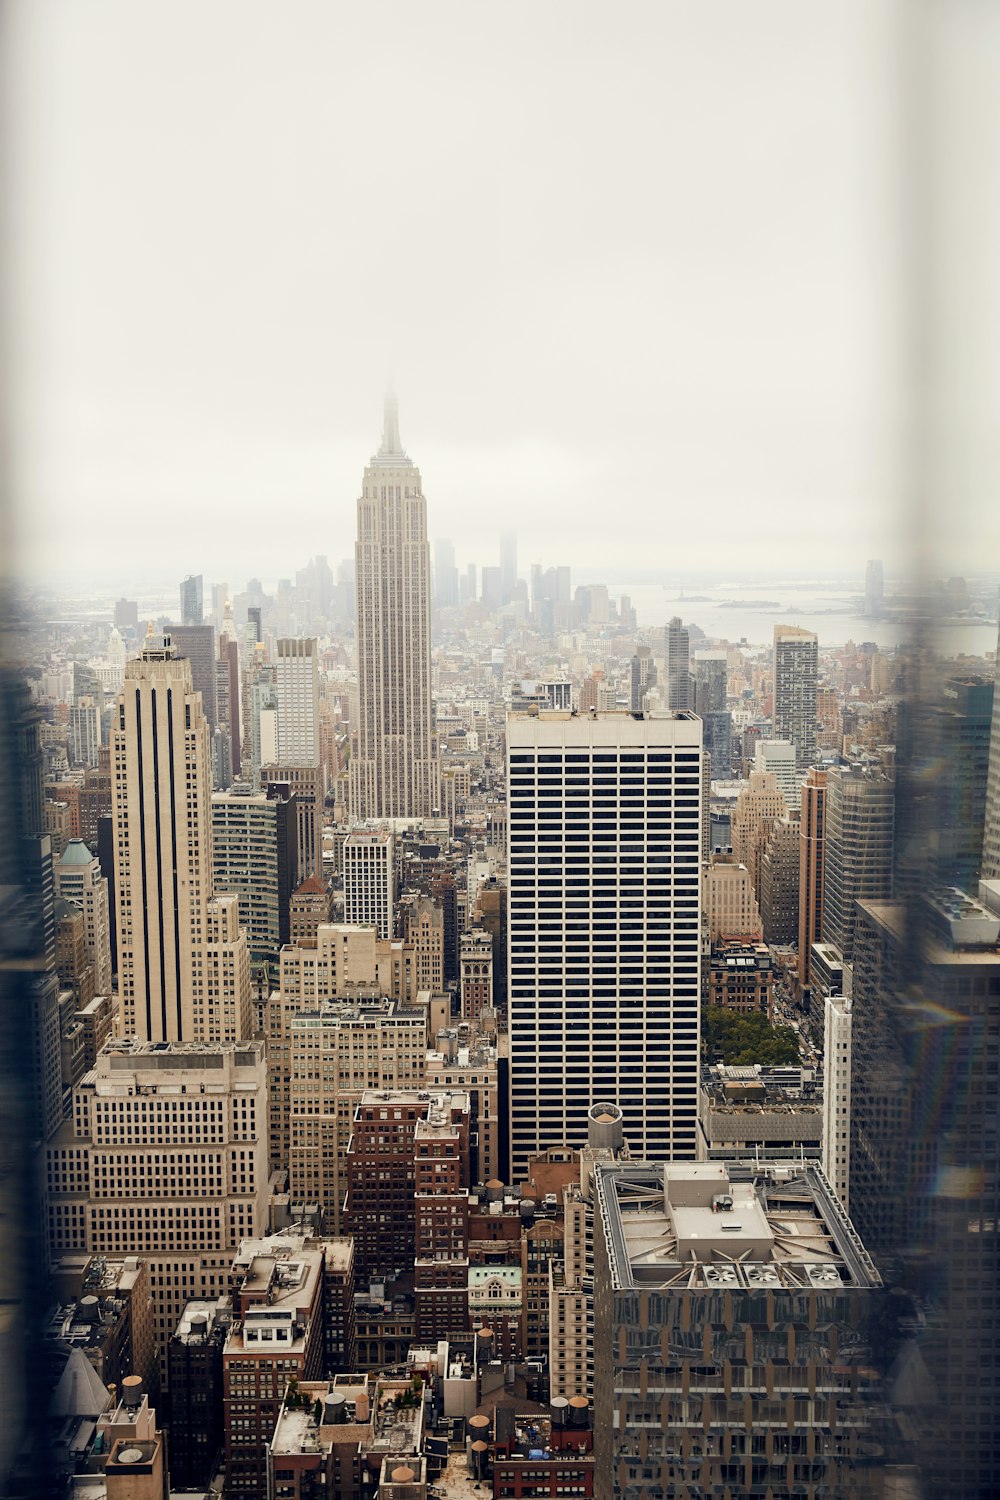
(192, 600)
(924, 1165)
(857, 848)
(78, 879)
(795, 667)
(779, 756)
(183, 967)
(643, 677)
(603, 961)
(394, 768)
(873, 588)
(197, 643)
(837, 1094)
(297, 692)
(680, 685)
(508, 566)
(255, 854)
(695, 1276)
(369, 879)
(958, 731)
(991, 832)
(445, 574)
(812, 826)
(229, 654)
(711, 681)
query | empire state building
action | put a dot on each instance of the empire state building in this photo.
(394, 766)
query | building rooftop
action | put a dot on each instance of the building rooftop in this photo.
(75, 853)
(689, 1226)
(398, 1427)
(529, 1435)
(891, 916)
(755, 1088)
(201, 1319)
(126, 1051)
(345, 1416)
(373, 1006)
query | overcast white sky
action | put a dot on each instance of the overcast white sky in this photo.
(644, 275)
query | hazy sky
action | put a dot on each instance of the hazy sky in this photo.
(657, 284)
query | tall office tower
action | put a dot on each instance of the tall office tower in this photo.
(445, 574)
(164, 1156)
(441, 1183)
(642, 678)
(276, 1338)
(779, 882)
(991, 830)
(857, 847)
(925, 1158)
(35, 926)
(717, 734)
(255, 857)
(337, 961)
(297, 691)
(492, 582)
(757, 806)
(812, 828)
(711, 682)
(263, 719)
(229, 655)
(959, 749)
(310, 907)
(711, 1374)
(172, 938)
(837, 1094)
(628, 617)
(78, 879)
(475, 986)
(471, 586)
(192, 600)
(795, 668)
(508, 566)
(84, 730)
(335, 1051)
(194, 1369)
(603, 928)
(422, 920)
(126, 615)
(370, 879)
(197, 643)
(222, 750)
(306, 783)
(729, 903)
(394, 767)
(779, 756)
(536, 590)
(680, 684)
(874, 589)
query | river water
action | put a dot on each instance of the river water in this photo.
(741, 612)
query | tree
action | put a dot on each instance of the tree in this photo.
(746, 1039)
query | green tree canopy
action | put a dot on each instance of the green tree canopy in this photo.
(746, 1039)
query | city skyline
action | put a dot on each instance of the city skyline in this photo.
(501, 957)
(734, 346)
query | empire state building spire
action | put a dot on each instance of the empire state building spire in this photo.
(394, 767)
(391, 451)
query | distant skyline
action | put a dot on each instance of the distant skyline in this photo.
(645, 280)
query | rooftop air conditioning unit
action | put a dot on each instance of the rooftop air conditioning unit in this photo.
(824, 1275)
(721, 1276)
(763, 1276)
